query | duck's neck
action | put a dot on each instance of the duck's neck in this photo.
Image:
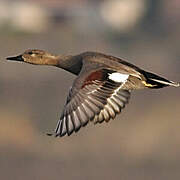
(69, 63)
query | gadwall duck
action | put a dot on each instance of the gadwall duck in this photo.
(101, 90)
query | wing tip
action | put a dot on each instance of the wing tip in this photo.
(53, 134)
(49, 134)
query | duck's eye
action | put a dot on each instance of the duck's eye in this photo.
(30, 53)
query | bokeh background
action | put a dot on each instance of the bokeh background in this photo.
(141, 143)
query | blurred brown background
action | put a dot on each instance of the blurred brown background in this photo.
(142, 143)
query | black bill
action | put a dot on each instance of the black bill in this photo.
(15, 58)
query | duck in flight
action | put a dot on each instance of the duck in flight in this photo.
(100, 91)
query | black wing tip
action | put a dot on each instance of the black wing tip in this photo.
(52, 134)
(57, 135)
(49, 134)
(69, 132)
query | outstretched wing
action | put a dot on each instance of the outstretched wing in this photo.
(93, 97)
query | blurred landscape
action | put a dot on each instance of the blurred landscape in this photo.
(143, 142)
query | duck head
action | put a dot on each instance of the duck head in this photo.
(36, 56)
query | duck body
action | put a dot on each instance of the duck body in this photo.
(86, 63)
(100, 91)
(74, 64)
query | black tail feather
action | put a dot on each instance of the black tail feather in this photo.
(157, 81)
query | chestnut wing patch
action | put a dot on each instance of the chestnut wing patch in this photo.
(95, 98)
(100, 75)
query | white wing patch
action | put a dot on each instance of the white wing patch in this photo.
(118, 77)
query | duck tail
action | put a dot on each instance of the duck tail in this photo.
(154, 81)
